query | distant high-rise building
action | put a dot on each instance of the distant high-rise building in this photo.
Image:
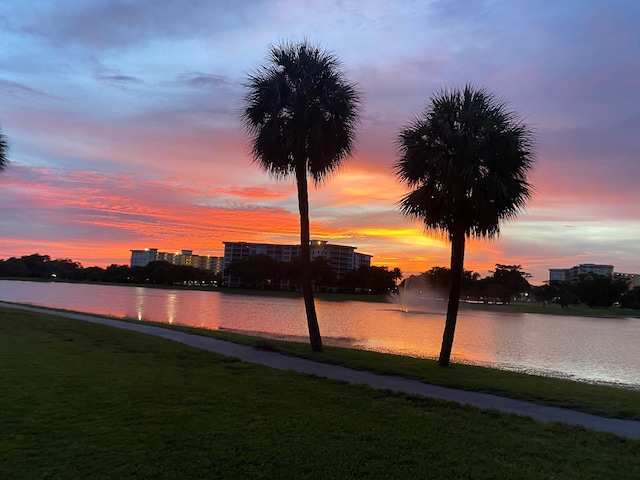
(342, 258)
(141, 258)
(573, 273)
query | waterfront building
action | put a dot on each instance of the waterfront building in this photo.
(141, 258)
(342, 258)
(573, 273)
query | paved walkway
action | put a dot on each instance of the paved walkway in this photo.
(542, 413)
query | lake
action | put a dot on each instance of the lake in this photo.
(597, 350)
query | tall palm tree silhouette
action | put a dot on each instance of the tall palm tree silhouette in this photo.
(466, 160)
(301, 114)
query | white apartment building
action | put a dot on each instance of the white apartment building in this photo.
(141, 258)
(573, 273)
(342, 258)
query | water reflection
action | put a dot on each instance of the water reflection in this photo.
(591, 349)
(140, 302)
(171, 308)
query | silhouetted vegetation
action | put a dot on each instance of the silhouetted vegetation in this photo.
(374, 280)
(263, 272)
(38, 266)
(466, 161)
(506, 282)
(254, 272)
(4, 147)
(631, 299)
(591, 290)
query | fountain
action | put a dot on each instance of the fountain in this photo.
(416, 297)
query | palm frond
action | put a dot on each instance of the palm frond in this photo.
(467, 158)
(4, 147)
(300, 112)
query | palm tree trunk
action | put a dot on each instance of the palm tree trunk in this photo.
(305, 252)
(457, 264)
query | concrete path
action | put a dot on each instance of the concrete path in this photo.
(542, 413)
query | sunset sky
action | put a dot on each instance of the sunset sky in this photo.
(123, 119)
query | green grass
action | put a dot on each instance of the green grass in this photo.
(596, 399)
(79, 400)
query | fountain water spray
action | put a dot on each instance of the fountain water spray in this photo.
(415, 296)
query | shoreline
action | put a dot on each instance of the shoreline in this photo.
(515, 307)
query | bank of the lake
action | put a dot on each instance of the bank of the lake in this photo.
(137, 406)
(516, 307)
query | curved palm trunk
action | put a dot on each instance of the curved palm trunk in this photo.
(457, 263)
(305, 251)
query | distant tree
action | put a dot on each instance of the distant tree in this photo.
(545, 293)
(66, 269)
(301, 115)
(13, 267)
(466, 160)
(374, 280)
(397, 274)
(556, 291)
(599, 290)
(506, 282)
(322, 273)
(256, 271)
(438, 279)
(631, 299)
(566, 293)
(4, 148)
(38, 265)
(93, 274)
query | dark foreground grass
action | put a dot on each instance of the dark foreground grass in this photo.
(79, 400)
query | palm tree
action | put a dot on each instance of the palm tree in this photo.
(300, 114)
(4, 146)
(466, 161)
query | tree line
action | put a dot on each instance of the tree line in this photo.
(505, 283)
(38, 266)
(254, 272)
(265, 272)
(509, 282)
(591, 290)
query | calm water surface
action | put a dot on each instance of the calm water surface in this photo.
(600, 350)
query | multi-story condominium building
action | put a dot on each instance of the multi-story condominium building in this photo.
(141, 258)
(342, 258)
(573, 273)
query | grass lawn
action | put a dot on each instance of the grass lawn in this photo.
(595, 399)
(79, 400)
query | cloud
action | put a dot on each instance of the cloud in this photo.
(205, 80)
(8, 87)
(118, 79)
